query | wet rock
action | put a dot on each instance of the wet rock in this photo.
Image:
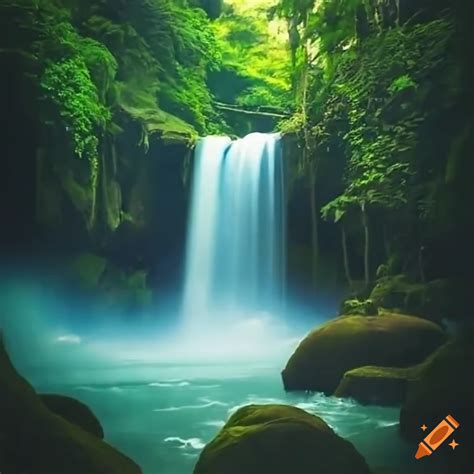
(376, 385)
(348, 342)
(34, 440)
(75, 412)
(278, 439)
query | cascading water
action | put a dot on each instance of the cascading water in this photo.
(235, 260)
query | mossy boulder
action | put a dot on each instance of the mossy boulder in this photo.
(348, 342)
(278, 439)
(34, 440)
(75, 412)
(444, 387)
(376, 385)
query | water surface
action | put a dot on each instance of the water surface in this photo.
(162, 415)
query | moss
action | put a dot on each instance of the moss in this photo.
(377, 385)
(251, 415)
(348, 342)
(139, 294)
(278, 439)
(80, 195)
(137, 280)
(358, 307)
(434, 300)
(164, 125)
(125, 291)
(112, 204)
(88, 268)
(35, 440)
(111, 192)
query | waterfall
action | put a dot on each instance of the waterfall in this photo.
(235, 256)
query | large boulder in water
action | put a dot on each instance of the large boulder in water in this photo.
(75, 412)
(348, 342)
(34, 440)
(278, 439)
(377, 385)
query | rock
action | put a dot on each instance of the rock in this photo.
(348, 342)
(88, 269)
(359, 307)
(125, 292)
(376, 385)
(434, 300)
(36, 441)
(444, 387)
(278, 439)
(160, 124)
(75, 412)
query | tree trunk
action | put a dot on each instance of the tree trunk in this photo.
(365, 223)
(386, 242)
(312, 163)
(421, 263)
(345, 254)
(314, 224)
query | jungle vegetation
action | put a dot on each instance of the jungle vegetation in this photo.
(376, 94)
(381, 93)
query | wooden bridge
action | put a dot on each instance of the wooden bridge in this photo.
(263, 111)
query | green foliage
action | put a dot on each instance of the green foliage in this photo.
(77, 74)
(183, 48)
(332, 25)
(100, 67)
(68, 83)
(256, 53)
(258, 95)
(383, 109)
(294, 124)
(401, 83)
(374, 83)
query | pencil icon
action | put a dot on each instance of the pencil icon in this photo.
(437, 437)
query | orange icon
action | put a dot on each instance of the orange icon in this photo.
(437, 437)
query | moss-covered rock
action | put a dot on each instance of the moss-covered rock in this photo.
(34, 440)
(433, 300)
(376, 385)
(113, 286)
(278, 439)
(125, 291)
(444, 387)
(75, 412)
(359, 307)
(169, 128)
(348, 342)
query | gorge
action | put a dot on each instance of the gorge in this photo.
(236, 236)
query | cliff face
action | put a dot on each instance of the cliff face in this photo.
(98, 122)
